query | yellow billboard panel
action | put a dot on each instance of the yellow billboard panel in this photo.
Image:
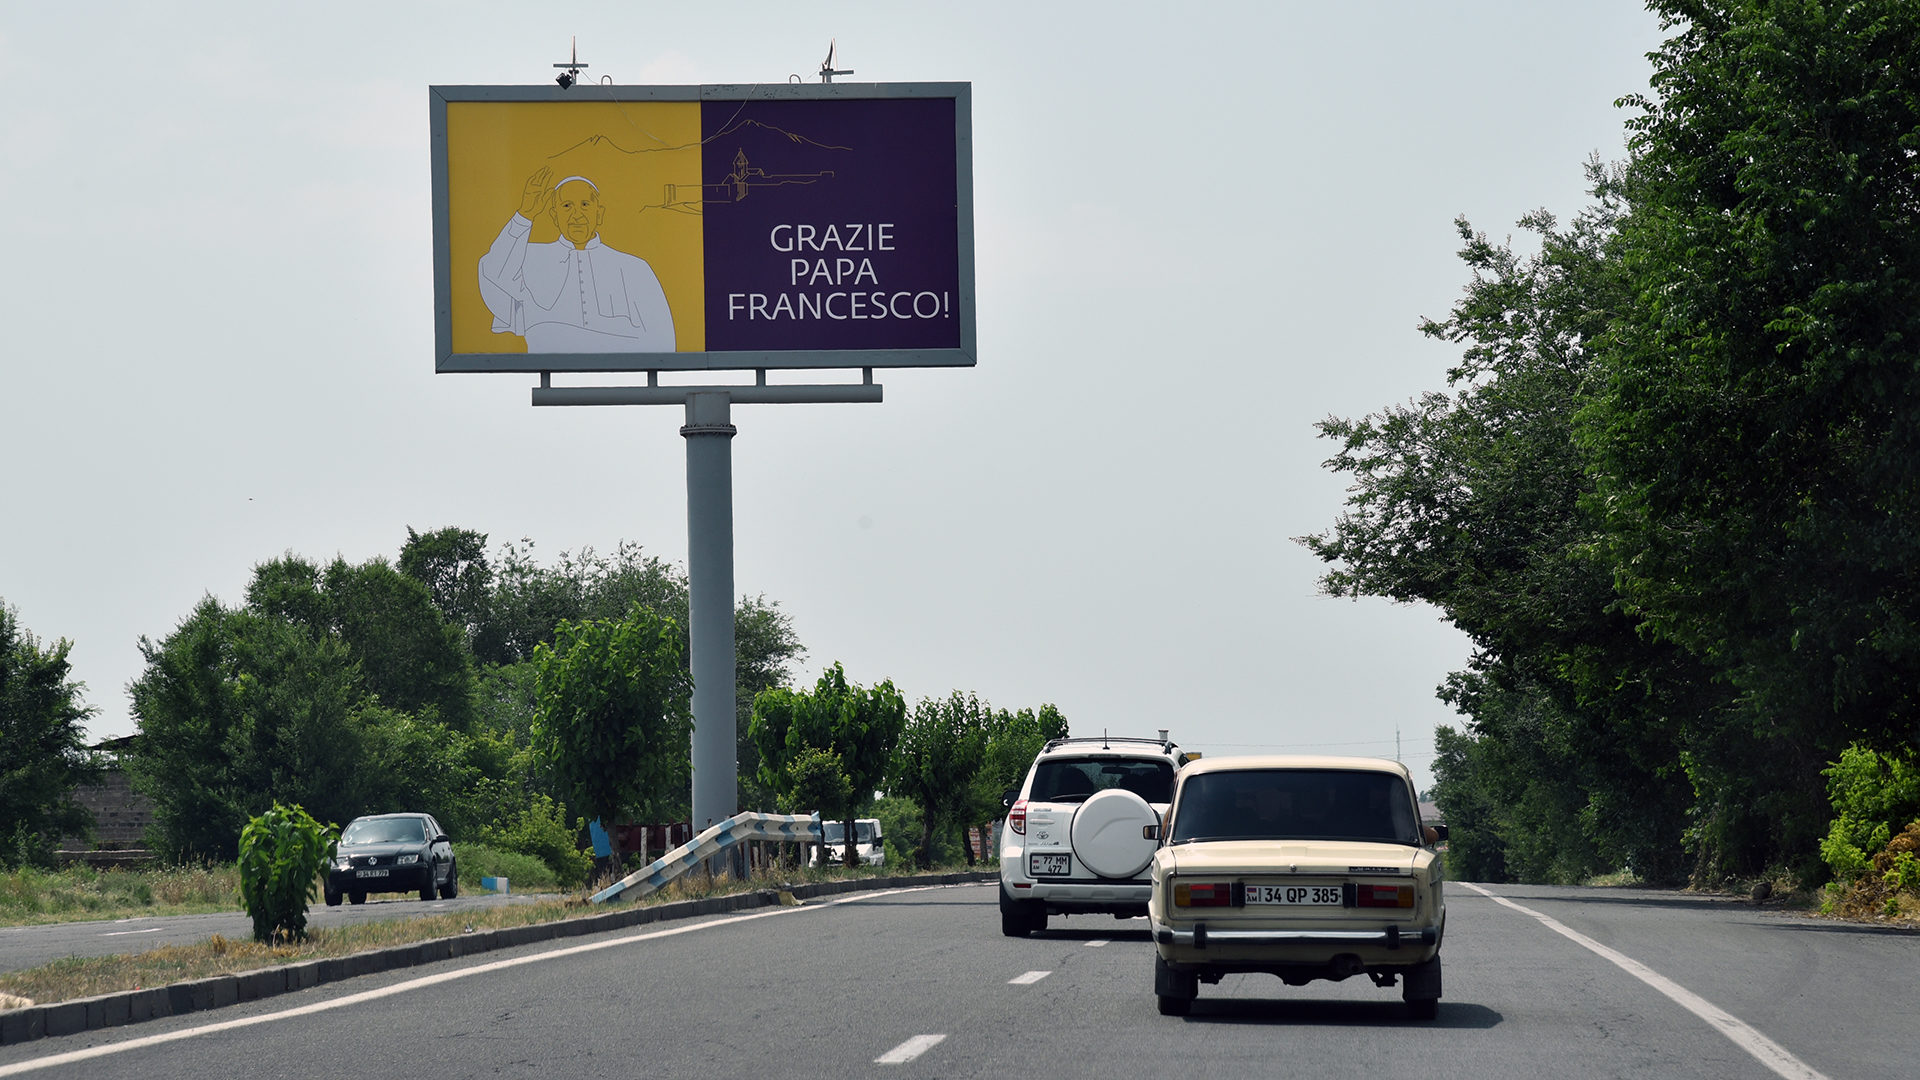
(563, 232)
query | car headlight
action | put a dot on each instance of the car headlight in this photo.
(406, 860)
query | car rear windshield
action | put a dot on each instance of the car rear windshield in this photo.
(1066, 779)
(1295, 804)
(385, 831)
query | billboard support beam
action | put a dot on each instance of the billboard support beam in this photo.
(843, 393)
(709, 434)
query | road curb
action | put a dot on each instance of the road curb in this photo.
(200, 995)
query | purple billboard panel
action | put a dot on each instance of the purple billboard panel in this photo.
(831, 225)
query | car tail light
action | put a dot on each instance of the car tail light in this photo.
(1397, 896)
(1017, 817)
(1216, 894)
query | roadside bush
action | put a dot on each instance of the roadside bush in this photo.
(522, 870)
(25, 848)
(540, 830)
(1873, 794)
(282, 854)
(1889, 886)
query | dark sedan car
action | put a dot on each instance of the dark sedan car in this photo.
(392, 853)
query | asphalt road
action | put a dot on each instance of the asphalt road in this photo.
(921, 983)
(31, 946)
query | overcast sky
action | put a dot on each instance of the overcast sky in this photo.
(1199, 230)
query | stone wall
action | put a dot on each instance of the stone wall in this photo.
(120, 819)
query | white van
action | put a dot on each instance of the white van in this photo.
(868, 845)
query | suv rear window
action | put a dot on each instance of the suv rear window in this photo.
(1295, 804)
(1070, 779)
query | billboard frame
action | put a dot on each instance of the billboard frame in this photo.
(446, 360)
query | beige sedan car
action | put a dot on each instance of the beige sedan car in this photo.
(1302, 867)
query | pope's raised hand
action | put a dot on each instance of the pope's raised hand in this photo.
(534, 195)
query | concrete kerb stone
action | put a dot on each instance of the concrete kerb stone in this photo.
(67, 1018)
(22, 1025)
(108, 1010)
(198, 995)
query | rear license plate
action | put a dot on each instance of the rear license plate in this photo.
(369, 873)
(1318, 895)
(1049, 865)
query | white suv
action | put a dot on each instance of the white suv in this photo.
(1075, 840)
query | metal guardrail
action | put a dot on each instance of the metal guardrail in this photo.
(736, 829)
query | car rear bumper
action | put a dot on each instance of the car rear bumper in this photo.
(1098, 897)
(1391, 937)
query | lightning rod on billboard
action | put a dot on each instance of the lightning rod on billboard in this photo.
(567, 78)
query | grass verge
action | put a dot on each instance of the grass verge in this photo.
(31, 897)
(78, 977)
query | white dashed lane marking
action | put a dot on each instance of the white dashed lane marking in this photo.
(909, 1050)
(1029, 978)
(1096, 943)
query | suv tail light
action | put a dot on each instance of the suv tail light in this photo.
(1216, 894)
(1395, 896)
(1017, 817)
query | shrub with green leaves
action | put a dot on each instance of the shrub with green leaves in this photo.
(1873, 795)
(282, 854)
(539, 829)
(1904, 875)
(525, 872)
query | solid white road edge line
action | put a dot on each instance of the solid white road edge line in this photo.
(1764, 1050)
(909, 1050)
(1028, 979)
(143, 1042)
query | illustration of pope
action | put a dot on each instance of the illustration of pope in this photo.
(575, 294)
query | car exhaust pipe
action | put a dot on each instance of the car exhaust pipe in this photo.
(1345, 966)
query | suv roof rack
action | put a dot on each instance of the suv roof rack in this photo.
(1165, 744)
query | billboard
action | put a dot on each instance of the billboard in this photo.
(620, 228)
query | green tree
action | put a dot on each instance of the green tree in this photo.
(1754, 437)
(529, 600)
(1014, 739)
(1475, 501)
(42, 731)
(858, 726)
(613, 721)
(938, 758)
(187, 709)
(409, 654)
(452, 564)
(238, 710)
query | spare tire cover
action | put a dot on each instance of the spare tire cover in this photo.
(1106, 834)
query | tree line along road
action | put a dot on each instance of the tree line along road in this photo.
(919, 982)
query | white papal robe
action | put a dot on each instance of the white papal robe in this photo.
(564, 299)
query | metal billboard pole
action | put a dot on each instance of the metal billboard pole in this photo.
(716, 768)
